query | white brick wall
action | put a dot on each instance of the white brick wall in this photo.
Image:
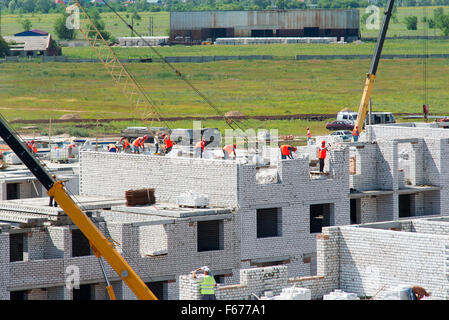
(371, 259)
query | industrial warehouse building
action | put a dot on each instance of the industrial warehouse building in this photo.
(200, 26)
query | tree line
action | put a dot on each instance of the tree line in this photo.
(49, 6)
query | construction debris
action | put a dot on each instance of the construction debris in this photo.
(340, 295)
(292, 293)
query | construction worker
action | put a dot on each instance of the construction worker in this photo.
(287, 151)
(425, 110)
(309, 136)
(126, 146)
(355, 134)
(29, 146)
(51, 198)
(322, 155)
(207, 283)
(168, 143)
(33, 147)
(228, 150)
(112, 148)
(417, 293)
(199, 148)
(139, 143)
(70, 148)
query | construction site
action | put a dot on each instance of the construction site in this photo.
(139, 215)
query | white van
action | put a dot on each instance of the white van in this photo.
(376, 117)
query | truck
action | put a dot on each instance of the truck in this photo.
(376, 117)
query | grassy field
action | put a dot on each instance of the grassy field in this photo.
(283, 51)
(11, 23)
(398, 28)
(284, 127)
(161, 23)
(50, 90)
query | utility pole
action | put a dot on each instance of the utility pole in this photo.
(151, 26)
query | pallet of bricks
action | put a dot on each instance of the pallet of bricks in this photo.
(140, 197)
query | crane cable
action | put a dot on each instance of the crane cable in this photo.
(230, 122)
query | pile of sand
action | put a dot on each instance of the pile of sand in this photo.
(70, 116)
(234, 114)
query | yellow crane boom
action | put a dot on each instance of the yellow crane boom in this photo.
(371, 76)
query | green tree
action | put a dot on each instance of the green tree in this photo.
(95, 17)
(4, 48)
(61, 30)
(441, 20)
(411, 22)
(43, 6)
(26, 24)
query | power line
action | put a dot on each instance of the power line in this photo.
(229, 122)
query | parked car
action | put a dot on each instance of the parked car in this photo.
(345, 136)
(340, 125)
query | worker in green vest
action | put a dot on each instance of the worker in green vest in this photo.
(207, 283)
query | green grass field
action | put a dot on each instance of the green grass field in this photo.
(44, 90)
(11, 23)
(282, 51)
(398, 28)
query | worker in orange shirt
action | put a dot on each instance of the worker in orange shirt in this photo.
(168, 143)
(309, 136)
(33, 147)
(228, 150)
(355, 134)
(199, 148)
(112, 148)
(28, 145)
(287, 151)
(126, 146)
(322, 155)
(139, 143)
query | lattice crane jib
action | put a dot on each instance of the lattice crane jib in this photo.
(142, 104)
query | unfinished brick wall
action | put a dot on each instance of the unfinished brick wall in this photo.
(107, 174)
(4, 266)
(236, 184)
(254, 282)
(371, 259)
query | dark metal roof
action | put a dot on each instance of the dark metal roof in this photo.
(31, 33)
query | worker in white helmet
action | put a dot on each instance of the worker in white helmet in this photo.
(207, 283)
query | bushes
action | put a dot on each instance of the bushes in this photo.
(4, 48)
(411, 22)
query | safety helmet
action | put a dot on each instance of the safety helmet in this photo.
(145, 137)
(323, 142)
